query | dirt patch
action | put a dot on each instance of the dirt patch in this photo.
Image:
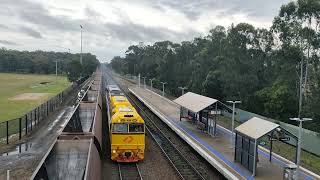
(29, 96)
(44, 83)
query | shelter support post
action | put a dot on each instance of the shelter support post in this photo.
(207, 123)
(200, 116)
(215, 120)
(254, 158)
(235, 149)
(296, 152)
(271, 142)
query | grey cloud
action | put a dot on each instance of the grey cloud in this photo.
(35, 13)
(5, 42)
(3, 26)
(31, 32)
(194, 9)
(137, 32)
(124, 32)
(42, 18)
(91, 13)
(62, 9)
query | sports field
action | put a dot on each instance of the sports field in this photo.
(20, 93)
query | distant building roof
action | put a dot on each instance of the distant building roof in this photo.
(194, 102)
(256, 127)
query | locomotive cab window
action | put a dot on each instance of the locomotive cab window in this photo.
(120, 128)
(136, 128)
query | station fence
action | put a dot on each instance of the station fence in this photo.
(14, 129)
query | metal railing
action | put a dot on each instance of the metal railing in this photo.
(14, 129)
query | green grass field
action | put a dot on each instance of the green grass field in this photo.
(12, 85)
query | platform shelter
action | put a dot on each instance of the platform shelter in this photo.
(199, 107)
(247, 136)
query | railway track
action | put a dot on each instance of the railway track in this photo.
(183, 167)
(129, 171)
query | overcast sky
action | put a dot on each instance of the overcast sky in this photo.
(110, 26)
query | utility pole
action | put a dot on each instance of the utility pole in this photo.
(232, 126)
(144, 82)
(139, 80)
(151, 83)
(163, 83)
(81, 27)
(300, 120)
(56, 67)
(182, 89)
(300, 89)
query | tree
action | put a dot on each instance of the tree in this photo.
(73, 72)
(256, 65)
(42, 62)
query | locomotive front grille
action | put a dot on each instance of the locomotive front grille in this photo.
(127, 154)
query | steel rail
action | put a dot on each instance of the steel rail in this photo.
(183, 167)
(131, 171)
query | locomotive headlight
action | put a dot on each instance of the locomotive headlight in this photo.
(113, 151)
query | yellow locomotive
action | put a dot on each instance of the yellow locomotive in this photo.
(126, 130)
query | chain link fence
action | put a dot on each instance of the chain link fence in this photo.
(14, 129)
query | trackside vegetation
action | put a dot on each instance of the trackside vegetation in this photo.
(42, 62)
(260, 67)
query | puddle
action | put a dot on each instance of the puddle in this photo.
(50, 127)
(21, 148)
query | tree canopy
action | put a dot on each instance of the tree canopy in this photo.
(42, 62)
(259, 66)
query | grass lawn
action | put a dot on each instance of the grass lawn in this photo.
(13, 85)
(308, 160)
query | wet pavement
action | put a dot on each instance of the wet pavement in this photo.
(23, 158)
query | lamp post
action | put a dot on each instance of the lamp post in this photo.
(139, 79)
(182, 89)
(81, 27)
(56, 67)
(144, 82)
(300, 120)
(151, 83)
(232, 126)
(163, 83)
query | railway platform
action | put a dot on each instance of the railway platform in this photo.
(215, 149)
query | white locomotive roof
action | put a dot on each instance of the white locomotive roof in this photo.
(125, 109)
(120, 98)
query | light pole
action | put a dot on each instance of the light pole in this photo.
(182, 89)
(299, 138)
(151, 83)
(144, 82)
(81, 27)
(232, 126)
(56, 67)
(163, 83)
(139, 80)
